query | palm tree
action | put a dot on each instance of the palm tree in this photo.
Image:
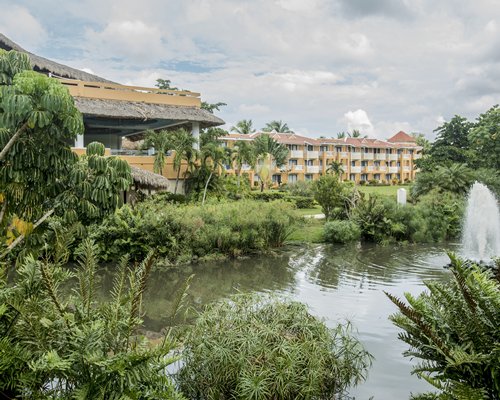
(159, 140)
(182, 142)
(278, 126)
(341, 135)
(243, 153)
(244, 127)
(268, 150)
(336, 167)
(213, 158)
(356, 134)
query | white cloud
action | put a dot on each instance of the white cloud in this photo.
(359, 120)
(22, 26)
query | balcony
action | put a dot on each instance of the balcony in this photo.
(370, 168)
(356, 170)
(380, 156)
(382, 168)
(393, 170)
(393, 157)
(356, 156)
(406, 169)
(343, 154)
(312, 154)
(296, 154)
(367, 156)
(111, 91)
(312, 169)
(330, 153)
(406, 156)
(297, 168)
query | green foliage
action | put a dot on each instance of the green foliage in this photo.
(341, 231)
(11, 63)
(301, 202)
(254, 347)
(268, 196)
(335, 198)
(66, 344)
(453, 330)
(278, 126)
(243, 127)
(301, 188)
(182, 142)
(212, 107)
(485, 138)
(180, 233)
(160, 141)
(269, 153)
(454, 178)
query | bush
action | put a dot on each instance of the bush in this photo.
(253, 347)
(301, 188)
(335, 198)
(268, 196)
(453, 330)
(180, 233)
(341, 231)
(168, 197)
(301, 201)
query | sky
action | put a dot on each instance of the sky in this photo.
(321, 66)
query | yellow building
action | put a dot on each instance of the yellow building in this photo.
(362, 159)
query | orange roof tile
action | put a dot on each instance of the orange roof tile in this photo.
(401, 137)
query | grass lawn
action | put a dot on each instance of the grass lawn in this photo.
(309, 211)
(310, 232)
(381, 190)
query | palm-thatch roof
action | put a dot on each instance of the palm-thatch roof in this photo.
(46, 66)
(148, 180)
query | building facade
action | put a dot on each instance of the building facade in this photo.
(362, 159)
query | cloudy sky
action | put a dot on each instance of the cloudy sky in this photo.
(323, 66)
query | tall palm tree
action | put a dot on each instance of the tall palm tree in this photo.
(182, 142)
(243, 153)
(267, 151)
(356, 134)
(244, 127)
(341, 135)
(278, 126)
(159, 140)
(213, 157)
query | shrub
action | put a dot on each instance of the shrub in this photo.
(301, 201)
(168, 197)
(66, 344)
(301, 188)
(254, 347)
(341, 231)
(453, 330)
(335, 198)
(268, 196)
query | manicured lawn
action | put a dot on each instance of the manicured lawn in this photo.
(381, 190)
(310, 232)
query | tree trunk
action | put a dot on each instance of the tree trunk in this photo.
(12, 140)
(237, 179)
(21, 238)
(177, 180)
(261, 186)
(4, 208)
(206, 187)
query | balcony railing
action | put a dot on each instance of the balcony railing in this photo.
(355, 156)
(312, 154)
(312, 169)
(393, 170)
(112, 91)
(330, 153)
(393, 156)
(382, 168)
(296, 154)
(343, 154)
(406, 169)
(297, 167)
(367, 156)
(356, 170)
(370, 168)
(380, 156)
(406, 156)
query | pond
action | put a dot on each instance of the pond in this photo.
(339, 283)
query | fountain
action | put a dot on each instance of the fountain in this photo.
(481, 230)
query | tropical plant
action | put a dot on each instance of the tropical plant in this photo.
(244, 127)
(160, 141)
(269, 153)
(336, 167)
(341, 231)
(67, 343)
(341, 135)
(242, 153)
(165, 84)
(182, 143)
(336, 199)
(278, 126)
(485, 138)
(255, 347)
(453, 330)
(454, 178)
(211, 107)
(212, 158)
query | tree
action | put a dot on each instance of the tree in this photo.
(268, 153)
(244, 127)
(356, 134)
(165, 84)
(243, 153)
(454, 178)
(159, 140)
(341, 135)
(278, 126)
(452, 328)
(336, 167)
(484, 137)
(335, 198)
(212, 158)
(422, 141)
(181, 142)
(211, 107)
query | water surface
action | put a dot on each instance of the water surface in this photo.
(338, 283)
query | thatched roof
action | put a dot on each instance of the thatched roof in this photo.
(148, 180)
(144, 111)
(47, 66)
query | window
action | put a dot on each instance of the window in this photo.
(277, 179)
(364, 177)
(353, 163)
(292, 178)
(398, 164)
(310, 148)
(308, 177)
(293, 147)
(320, 163)
(367, 150)
(338, 149)
(400, 151)
(309, 162)
(352, 177)
(323, 148)
(376, 177)
(292, 162)
(377, 163)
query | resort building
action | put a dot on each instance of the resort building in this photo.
(112, 112)
(362, 159)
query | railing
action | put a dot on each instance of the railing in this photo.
(367, 156)
(382, 168)
(370, 168)
(112, 91)
(297, 167)
(393, 156)
(296, 154)
(330, 153)
(312, 154)
(343, 154)
(356, 170)
(406, 156)
(393, 170)
(381, 156)
(356, 156)
(406, 169)
(313, 169)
